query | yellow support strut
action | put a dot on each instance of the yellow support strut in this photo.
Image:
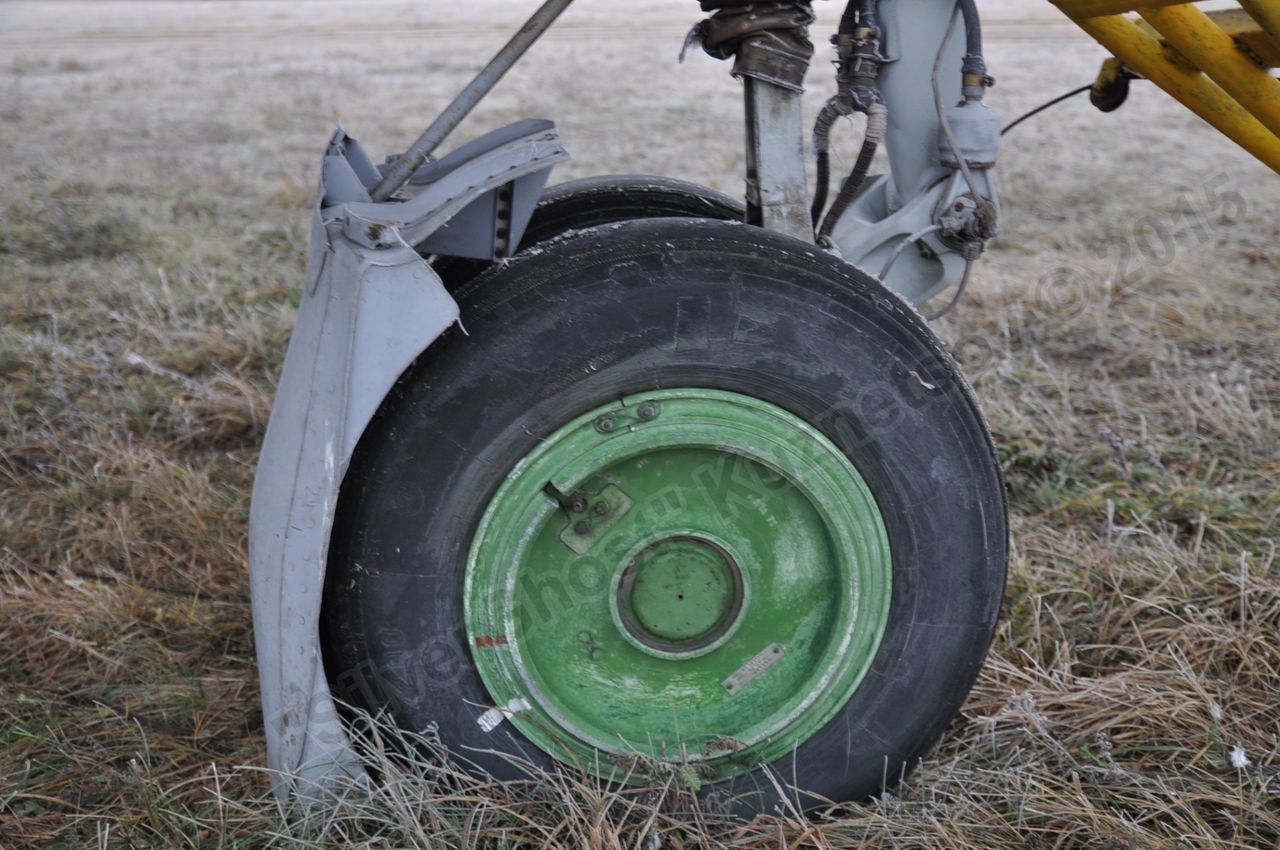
(1267, 14)
(1189, 31)
(1219, 75)
(1075, 9)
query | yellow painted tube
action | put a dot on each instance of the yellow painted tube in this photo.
(1190, 31)
(1244, 31)
(1144, 54)
(1096, 8)
(1267, 15)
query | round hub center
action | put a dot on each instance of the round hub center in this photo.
(679, 594)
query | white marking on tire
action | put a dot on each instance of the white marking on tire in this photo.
(492, 718)
(923, 382)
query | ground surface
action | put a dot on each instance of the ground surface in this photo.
(1122, 335)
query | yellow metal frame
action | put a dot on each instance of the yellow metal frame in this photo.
(1217, 63)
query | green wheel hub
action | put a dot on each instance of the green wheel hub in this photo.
(686, 575)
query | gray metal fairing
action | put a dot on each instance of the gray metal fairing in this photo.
(920, 185)
(370, 307)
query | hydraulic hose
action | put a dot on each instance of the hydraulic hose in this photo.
(823, 180)
(857, 43)
(877, 123)
(858, 12)
(974, 63)
(849, 19)
(835, 108)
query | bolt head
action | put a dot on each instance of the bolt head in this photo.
(605, 424)
(582, 527)
(647, 411)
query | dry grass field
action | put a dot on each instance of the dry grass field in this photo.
(1122, 334)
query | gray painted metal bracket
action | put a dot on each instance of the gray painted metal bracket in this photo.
(919, 186)
(877, 222)
(370, 307)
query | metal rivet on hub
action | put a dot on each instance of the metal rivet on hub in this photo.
(605, 423)
(648, 411)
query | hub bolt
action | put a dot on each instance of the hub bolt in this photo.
(605, 424)
(582, 527)
(648, 411)
(578, 503)
(601, 508)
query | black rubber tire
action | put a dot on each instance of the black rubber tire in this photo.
(652, 304)
(579, 204)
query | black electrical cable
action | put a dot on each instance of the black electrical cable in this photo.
(974, 63)
(823, 180)
(849, 190)
(834, 110)
(855, 12)
(1042, 107)
(849, 19)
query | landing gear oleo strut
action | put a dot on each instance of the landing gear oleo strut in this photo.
(627, 476)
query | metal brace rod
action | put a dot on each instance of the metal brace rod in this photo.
(448, 120)
(1267, 15)
(1097, 8)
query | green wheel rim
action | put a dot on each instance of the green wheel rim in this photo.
(686, 576)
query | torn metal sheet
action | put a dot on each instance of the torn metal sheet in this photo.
(371, 305)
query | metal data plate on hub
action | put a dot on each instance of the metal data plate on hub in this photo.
(753, 669)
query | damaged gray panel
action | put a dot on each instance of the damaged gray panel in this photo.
(370, 307)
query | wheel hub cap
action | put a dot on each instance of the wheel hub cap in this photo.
(687, 575)
(679, 595)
